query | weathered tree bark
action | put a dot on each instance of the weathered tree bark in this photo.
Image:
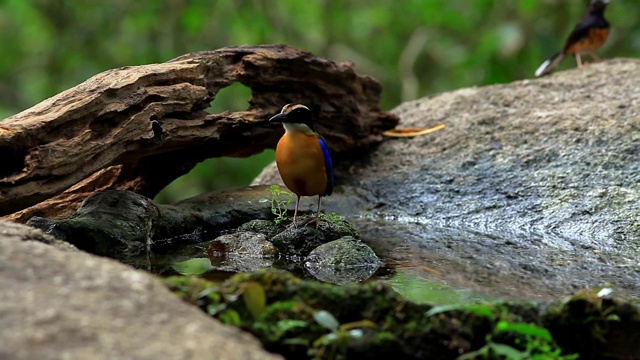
(140, 127)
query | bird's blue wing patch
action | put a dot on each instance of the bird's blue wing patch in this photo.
(328, 167)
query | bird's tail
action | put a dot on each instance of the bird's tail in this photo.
(548, 65)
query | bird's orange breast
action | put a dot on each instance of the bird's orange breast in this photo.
(592, 42)
(301, 164)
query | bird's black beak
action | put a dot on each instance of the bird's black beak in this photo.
(278, 118)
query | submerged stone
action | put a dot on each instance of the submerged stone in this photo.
(242, 243)
(241, 251)
(342, 261)
(238, 264)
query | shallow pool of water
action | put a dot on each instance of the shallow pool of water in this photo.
(430, 263)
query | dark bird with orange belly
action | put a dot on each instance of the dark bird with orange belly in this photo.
(302, 156)
(587, 37)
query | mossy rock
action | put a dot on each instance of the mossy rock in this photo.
(389, 325)
(342, 261)
(301, 240)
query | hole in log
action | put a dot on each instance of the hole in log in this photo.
(11, 160)
(234, 97)
(215, 174)
(156, 127)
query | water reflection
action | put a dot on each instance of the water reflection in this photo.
(428, 262)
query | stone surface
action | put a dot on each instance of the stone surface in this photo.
(345, 252)
(121, 223)
(241, 251)
(298, 241)
(532, 190)
(108, 223)
(242, 243)
(342, 261)
(266, 227)
(58, 304)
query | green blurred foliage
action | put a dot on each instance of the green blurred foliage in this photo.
(413, 47)
(424, 291)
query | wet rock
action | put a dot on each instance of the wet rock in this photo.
(227, 209)
(130, 227)
(298, 241)
(71, 305)
(335, 227)
(120, 223)
(541, 171)
(237, 264)
(242, 243)
(266, 227)
(107, 223)
(241, 251)
(343, 261)
(345, 252)
(244, 250)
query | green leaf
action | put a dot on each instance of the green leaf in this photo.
(214, 297)
(230, 317)
(613, 317)
(211, 293)
(326, 320)
(213, 309)
(524, 329)
(481, 353)
(195, 266)
(443, 308)
(288, 324)
(426, 291)
(356, 333)
(283, 326)
(507, 351)
(481, 310)
(358, 324)
(254, 298)
(325, 340)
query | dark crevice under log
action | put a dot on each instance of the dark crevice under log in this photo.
(140, 127)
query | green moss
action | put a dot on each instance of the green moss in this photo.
(372, 319)
(266, 227)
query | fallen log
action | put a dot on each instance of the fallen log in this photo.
(140, 127)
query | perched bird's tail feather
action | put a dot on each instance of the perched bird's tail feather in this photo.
(548, 65)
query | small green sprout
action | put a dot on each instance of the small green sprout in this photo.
(280, 200)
